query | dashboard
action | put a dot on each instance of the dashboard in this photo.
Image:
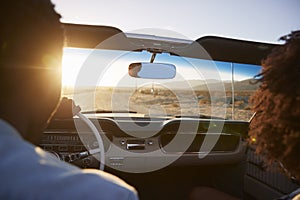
(144, 144)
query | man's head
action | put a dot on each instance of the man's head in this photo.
(276, 125)
(31, 44)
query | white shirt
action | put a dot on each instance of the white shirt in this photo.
(28, 172)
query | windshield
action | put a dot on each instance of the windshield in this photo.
(98, 80)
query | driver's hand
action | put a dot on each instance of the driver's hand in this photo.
(66, 109)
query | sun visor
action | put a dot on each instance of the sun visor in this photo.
(88, 36)
(233, 50)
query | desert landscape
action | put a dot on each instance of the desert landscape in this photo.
(162, 101)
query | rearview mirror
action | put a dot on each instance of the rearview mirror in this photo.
(152, 70)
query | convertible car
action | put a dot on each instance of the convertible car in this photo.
(167, 115)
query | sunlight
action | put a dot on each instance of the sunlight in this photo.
(71, 64)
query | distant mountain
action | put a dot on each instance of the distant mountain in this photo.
(201, 85)
(246, 85)
(190, 83)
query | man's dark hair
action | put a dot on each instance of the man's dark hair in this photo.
(276, 125)
(31, 34)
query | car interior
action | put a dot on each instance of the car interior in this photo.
(172, 114)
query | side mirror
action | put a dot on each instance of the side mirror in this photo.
(152, 70)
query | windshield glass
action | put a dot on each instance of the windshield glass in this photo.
(98, 80)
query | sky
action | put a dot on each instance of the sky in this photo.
(88, 67)
(259, 20)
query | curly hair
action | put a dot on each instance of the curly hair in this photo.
(30, 33)
(276, 125)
